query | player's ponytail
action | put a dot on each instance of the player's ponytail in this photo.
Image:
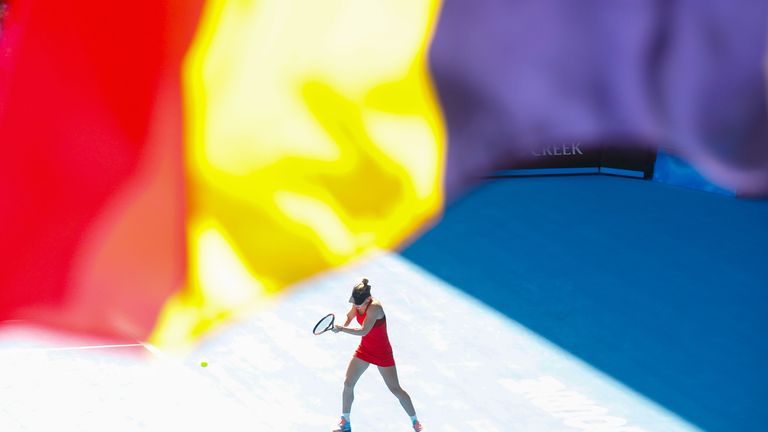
(360, 292)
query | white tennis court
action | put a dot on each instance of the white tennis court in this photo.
(466, 367)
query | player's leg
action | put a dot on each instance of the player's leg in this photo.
(393, 383)
(354, 371)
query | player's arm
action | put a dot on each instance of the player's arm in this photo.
(374, 313)
(350, 316)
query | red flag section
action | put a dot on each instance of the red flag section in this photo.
(91, 175)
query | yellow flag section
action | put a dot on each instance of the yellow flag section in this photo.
(313, 137)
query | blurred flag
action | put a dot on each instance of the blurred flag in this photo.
(313, 138)
(149, 195)
(169, 164)
(92, 201)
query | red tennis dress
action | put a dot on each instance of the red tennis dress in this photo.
(374, 347)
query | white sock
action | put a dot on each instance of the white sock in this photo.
(346, 417)
(414, 419)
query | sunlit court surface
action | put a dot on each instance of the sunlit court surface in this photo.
(483, 354)
(465, 366)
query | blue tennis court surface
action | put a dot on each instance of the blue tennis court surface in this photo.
(538, 304)
(663, 288)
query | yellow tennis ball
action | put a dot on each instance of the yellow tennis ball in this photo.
(203, 364)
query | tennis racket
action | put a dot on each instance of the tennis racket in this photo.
(325, 324)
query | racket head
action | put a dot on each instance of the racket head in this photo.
(325, 324)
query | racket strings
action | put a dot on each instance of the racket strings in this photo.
(324, 324)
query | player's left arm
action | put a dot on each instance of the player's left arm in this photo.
(350, 316)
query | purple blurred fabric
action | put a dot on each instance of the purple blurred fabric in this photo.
(686, 76)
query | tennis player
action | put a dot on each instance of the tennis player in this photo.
(374, 349)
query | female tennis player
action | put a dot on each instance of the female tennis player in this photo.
(374, 349)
